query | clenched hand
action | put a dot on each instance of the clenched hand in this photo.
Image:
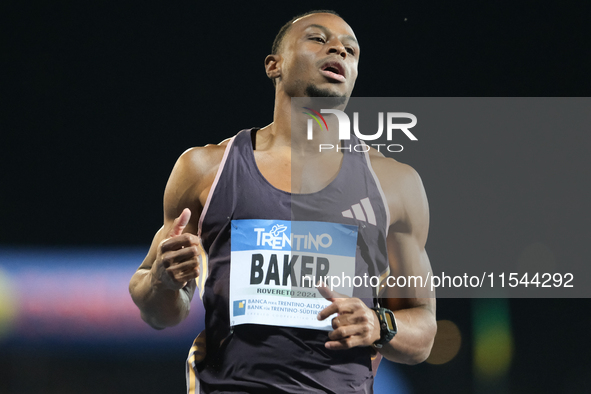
(177, 261)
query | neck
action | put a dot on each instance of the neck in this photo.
(290, 126)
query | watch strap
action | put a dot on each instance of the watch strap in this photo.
(388, 327)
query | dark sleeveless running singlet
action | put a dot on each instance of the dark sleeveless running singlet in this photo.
(269, 359)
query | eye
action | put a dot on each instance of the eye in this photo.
(350, 50)
(318, 39)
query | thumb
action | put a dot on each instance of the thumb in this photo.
(180, 223)
(329, 294)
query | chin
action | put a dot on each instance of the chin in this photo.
(315, 91)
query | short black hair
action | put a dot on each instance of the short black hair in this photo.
(285, 28)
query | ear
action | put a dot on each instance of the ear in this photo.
(273, 66)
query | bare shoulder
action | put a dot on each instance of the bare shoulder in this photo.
(204, 154)
(199, 161)
(392, 173)
(402, 187)
(192, 177)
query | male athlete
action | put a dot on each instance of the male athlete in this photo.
(259, 175)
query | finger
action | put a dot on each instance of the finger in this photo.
(340, 320)
(329, 294)
(348, 331)
(185, 266)
(339, 302)
(185, 276)
(182, 241)
(174, 257)
(180, 223)
(341, 333)
(357, 317)
(184, 272)
(188, 277)
(328, 311)
(345, 343)
(336, 307)
(342, 307)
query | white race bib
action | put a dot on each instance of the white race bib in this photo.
(275, 265)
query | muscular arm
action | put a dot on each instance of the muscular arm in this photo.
(155, 292)
(164, 284)
(414, 308)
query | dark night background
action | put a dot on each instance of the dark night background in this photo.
(99, 99)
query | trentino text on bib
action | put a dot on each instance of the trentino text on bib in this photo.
(276, 265)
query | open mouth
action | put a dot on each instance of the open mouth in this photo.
(333, 70)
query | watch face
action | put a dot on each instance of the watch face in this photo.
(389, 321)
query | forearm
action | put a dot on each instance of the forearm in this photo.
(160, 307)
(416, 331)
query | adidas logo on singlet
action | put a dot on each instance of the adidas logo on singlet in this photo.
(363, 212)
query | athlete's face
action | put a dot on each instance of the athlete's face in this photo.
(319, 57)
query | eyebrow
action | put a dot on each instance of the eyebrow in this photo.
(327, 32)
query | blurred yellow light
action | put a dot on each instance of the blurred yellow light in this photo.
(7, 304)
(493, 340)
(448, 341)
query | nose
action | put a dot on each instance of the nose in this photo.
(336, 46)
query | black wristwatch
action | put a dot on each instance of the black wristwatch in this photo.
(387, 326)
